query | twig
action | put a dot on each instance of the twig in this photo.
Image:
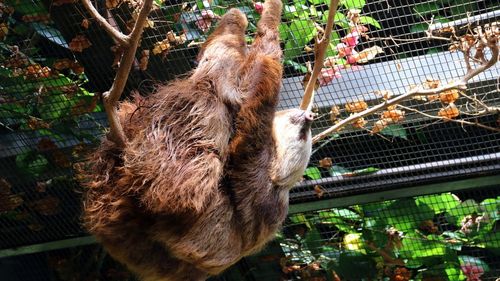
(460, 121)
(121, 38)
(320, 46)
(417, 91)
(129, 43)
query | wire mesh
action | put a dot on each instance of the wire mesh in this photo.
(55, 60)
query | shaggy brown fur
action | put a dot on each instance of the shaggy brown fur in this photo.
(204, 177)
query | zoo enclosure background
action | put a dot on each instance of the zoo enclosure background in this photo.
(50, 113)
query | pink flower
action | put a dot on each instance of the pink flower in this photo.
(204, 24)
(208, 14)
(327, 75)
(344, 50)
(259, 7)
(352, 39)
(473, 272)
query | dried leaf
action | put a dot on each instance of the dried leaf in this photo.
(449, 96)
(450, 112)
(35, 71)
(35, 226)
(360, 123)
(368, 54)
(161, 47)
(85, 23)
(356, 106)
(171, 37)
(36, 123)
(46, 144)
(44, 18)
(385, 94)
(143, 61)
(319, 190)
(431, 83)
(84, 106)
(111, 4)
(380, 125)
(79, 43)
(334, 113)
(395, 115)
(325, 162)
(47, 206)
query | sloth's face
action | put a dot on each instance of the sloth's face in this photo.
(292, 133)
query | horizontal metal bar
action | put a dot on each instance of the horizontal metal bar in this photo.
(450, 186)
(49, 246)
(473, 20)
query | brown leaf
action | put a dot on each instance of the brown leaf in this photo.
(319, 190)
(9, 202)
(356, 106)
(46, 206)
(85, 23)
(84, 106)
(36, 123)
(334, 113)
(367, 54)
(380, 125)
(61, 159)
(385, 94)
(46, 144)
(450, 112)
(360, 123)
(35, 226)
(395, 114)
(44, 18)
(144, 60)
(161, 47)
(306, 79)
(111, 4)
(449, 96)
(431, 83)
(79, 43)
(325, 162)
(41, 186)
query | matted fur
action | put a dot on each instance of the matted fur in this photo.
(201, 181)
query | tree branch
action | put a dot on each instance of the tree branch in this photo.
(418, 91)
(112, 96)
(320, 47)
(120, 38)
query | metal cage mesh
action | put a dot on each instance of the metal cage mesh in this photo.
(55, 60)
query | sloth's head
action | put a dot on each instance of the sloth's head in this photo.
(292, 135)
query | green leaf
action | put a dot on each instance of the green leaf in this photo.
(395, 130)
(369, 20)
(406, 215)
(440, 202)
(313, 173)
(31, 163)
(354, 266)
(460, 8)
(419, 27)
(426, 8)
(297, 66)
(338, 171)
(417, 247)
(491, 205)
(365, 171)
(303, 31)
(290, 12)
(339, 19)
(319, 2)
(353, 4)
(292, 50)
(313, 241)
(284, 31)
(467, 207)
(27, 7)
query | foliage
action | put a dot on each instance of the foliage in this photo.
(43, 97)
(413, 239)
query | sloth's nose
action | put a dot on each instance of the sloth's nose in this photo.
(309, 115)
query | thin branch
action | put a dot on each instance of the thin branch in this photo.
(121, 38)
(111, 97)
(417, 91)
(460, 121)
(320, 47)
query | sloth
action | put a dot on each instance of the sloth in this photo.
(204, 177)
